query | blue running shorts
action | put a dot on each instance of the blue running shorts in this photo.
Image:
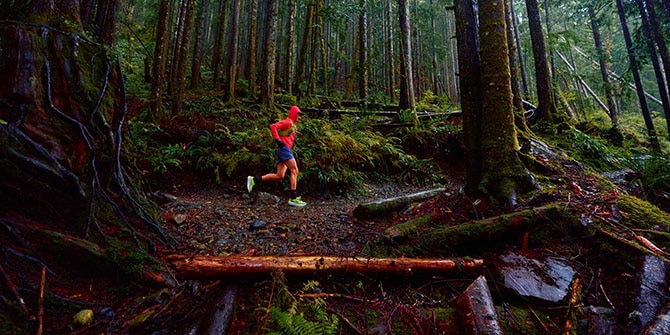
(284, 154)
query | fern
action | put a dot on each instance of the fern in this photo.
(296, 324)
(300, 316)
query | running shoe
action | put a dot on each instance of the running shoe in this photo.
(297, 202)
(250, 183)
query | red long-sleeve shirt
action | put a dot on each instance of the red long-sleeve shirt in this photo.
(284, 130)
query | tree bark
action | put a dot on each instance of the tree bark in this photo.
(655, 27)
(517, 98)
(522, 68)
(290, 47)
(160, 55)
(477, 310)
(363, 53)
(390, 57)
(196, 62)
(216, 267)
(182, 58)
(603, 57)
(217, 58)
(546, 105)
(406, 75)
(503, 173)
(106, 21)
(644, 108)
(269, 55)
(304, 50)
(233, 45)
(253, 48)
(467, 31)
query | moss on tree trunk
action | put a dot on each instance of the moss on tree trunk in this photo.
(501, 166)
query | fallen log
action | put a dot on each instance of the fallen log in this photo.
(223, 312)
(477, 311)
(381, 208)
(214, 267)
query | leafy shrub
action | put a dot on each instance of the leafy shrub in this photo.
(653, 172)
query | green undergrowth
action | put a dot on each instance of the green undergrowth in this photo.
(290, 313)
(649, 170)
(223, 142)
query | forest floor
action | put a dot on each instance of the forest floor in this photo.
(207, 218)
(224, 219)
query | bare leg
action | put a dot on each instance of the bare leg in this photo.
(279, 175)
(292, 166)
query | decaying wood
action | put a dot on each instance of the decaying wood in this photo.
(661, 324)
(222, 314)
(12, 288)
(212, 267)
(493, 228)
(40, 302)
(643, 246)
(477, 310)
(381, 208)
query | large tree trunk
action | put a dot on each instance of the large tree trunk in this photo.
(660, 74)
(182, 56)
(269, 55)
(64, 177)
(406, 75)
(304, 50)
(470, 84)
(105, 21)
(522, 68)
(363, 53)
(501, 166)
(546, 105)
(604, 69)
(196, 62)
(160, 55)
(390, 57)
(217, 58)
(231, 69)
(644, 108)
(290, 47)
(656, 29)
(517, 98)
(251, 59)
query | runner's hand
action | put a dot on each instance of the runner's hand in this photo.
(280, 143)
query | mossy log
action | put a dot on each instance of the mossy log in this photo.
(500, 229)
(216, 267)
(383, 207)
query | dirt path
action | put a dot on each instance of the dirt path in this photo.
(225, 219)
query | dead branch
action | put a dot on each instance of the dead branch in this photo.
(383, 207)
(12, 288)
(211, 267)
(40, 302)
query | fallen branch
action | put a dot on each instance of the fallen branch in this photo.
(12, 288)
(383, 207)
(212, 267)
(40, 302)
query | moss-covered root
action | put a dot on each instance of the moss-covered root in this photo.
(414, 239)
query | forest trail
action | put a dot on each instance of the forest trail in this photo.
(225, 219)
